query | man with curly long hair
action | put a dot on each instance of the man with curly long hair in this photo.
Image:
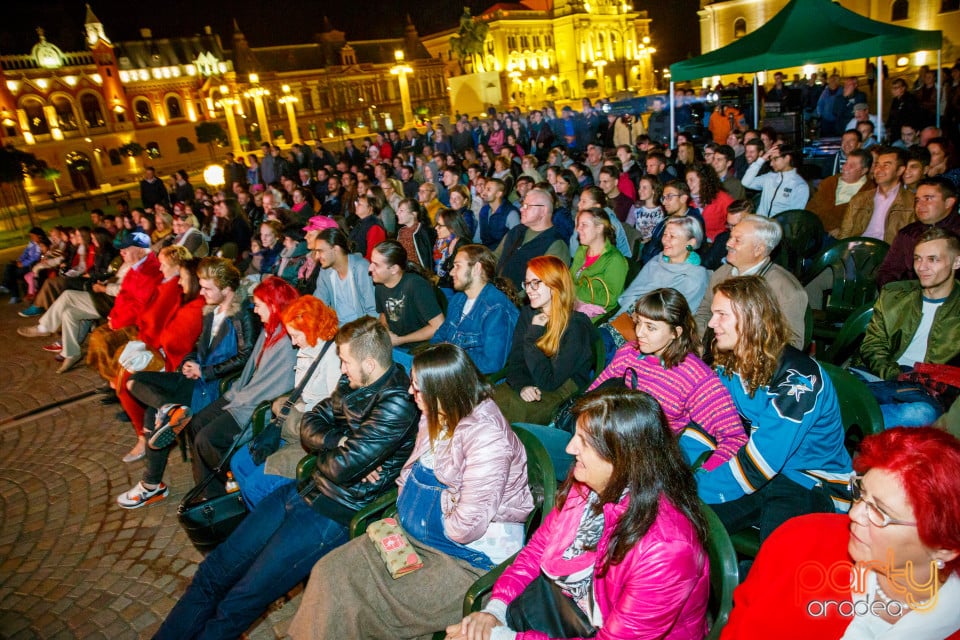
(794, 461)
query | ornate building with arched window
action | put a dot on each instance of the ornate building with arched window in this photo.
(539, 50)
(79, 111)
(723, 21)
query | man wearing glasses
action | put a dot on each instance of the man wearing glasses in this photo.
(534, 236)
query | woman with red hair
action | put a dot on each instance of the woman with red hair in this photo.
(267, 374)
(551, 356)
(311, 326)
(889, 569)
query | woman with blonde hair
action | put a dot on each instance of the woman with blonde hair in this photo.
(551, 357)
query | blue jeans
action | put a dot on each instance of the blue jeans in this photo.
(255, 483)
(555, 442)
(908, 414)
(272, 550)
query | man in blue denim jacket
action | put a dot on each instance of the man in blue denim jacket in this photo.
(482, 314)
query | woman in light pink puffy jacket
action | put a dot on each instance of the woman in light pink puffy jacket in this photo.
(462, 504)
(621, 556)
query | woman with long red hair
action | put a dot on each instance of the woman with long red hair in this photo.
(311, 326)
(551, 356)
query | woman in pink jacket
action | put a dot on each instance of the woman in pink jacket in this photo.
(462, 505)
(621, 556)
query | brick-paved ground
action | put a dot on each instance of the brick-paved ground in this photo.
(72, 563)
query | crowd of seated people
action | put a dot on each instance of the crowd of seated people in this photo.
(528, 242)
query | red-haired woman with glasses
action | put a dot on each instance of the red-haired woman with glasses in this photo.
(888, 569)
(552, 356)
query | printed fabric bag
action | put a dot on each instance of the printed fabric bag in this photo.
(394, 547)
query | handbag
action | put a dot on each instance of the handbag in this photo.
(394, 548)
(544, 607)
(268, 440)
(208, 522)
(564, 419)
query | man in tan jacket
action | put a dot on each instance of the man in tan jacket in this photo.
(835, 192)
(881, 213)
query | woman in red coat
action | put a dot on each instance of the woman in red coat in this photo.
(707, 194)
(175, 339)
(890, 569)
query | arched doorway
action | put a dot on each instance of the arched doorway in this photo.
(81, 171)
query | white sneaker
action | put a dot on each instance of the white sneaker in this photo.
(140, 496)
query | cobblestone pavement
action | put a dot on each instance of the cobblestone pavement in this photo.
(72, 563)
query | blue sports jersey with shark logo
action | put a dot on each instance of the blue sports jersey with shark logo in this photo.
(794, 427)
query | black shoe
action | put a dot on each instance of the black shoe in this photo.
(107, 400)
(122, 416)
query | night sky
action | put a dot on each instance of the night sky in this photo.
(289, 21)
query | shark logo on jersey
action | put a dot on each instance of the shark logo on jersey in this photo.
(798, 384)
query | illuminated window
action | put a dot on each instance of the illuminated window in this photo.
(143, 111)
(739, 28)
(174, 108)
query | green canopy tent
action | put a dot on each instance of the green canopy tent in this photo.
(809, 32)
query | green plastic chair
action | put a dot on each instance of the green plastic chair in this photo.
(861, 417)
(802, 238)
(724, 573)
(859, 410)
(543, 486)
(849, 338)
(854, 263)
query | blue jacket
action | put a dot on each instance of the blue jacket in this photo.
(359, 277)
(493, 226)
(486, 332)
(795, 429)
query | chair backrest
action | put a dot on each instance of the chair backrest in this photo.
(540, 476)
(849, 338)
(724, 573)
(599, 355)
(858, 408)
(854, 263)
(802, 238)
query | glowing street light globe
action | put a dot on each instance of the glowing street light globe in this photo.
(213, 175)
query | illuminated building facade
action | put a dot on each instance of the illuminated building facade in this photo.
(723, 21)
(99, 115)
(540, 50)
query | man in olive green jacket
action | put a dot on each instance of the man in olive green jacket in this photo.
(915, 321)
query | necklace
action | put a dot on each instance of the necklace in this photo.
(882, 595)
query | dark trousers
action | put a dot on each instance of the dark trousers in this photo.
(155, 389)
(12, 276)
(212, 432)
(273, 549)
(772, 505)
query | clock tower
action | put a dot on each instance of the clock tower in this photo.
(108, 68)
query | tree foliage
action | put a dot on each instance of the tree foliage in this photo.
(469, 39)
(15, 166)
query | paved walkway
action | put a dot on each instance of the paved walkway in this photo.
(72, 563)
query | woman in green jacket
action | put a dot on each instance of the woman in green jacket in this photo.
(599, 269)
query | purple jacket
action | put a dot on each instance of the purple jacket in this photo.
(484, 467)
(659, 590)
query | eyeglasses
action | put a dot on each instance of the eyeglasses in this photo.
(527, 205)
(669, 196)
(440, 226)
(876, 517)
(532, 285)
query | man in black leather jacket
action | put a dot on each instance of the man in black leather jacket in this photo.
(362, 435)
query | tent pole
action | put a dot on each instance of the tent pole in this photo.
(939, 84)
(756, 111)
(879, 98)
(673, 116)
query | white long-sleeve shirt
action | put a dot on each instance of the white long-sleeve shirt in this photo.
(779, 191)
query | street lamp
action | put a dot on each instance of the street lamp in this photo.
(214, 176)
(401, 69)
(288, 99)
(227, 103)
(257, 93)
